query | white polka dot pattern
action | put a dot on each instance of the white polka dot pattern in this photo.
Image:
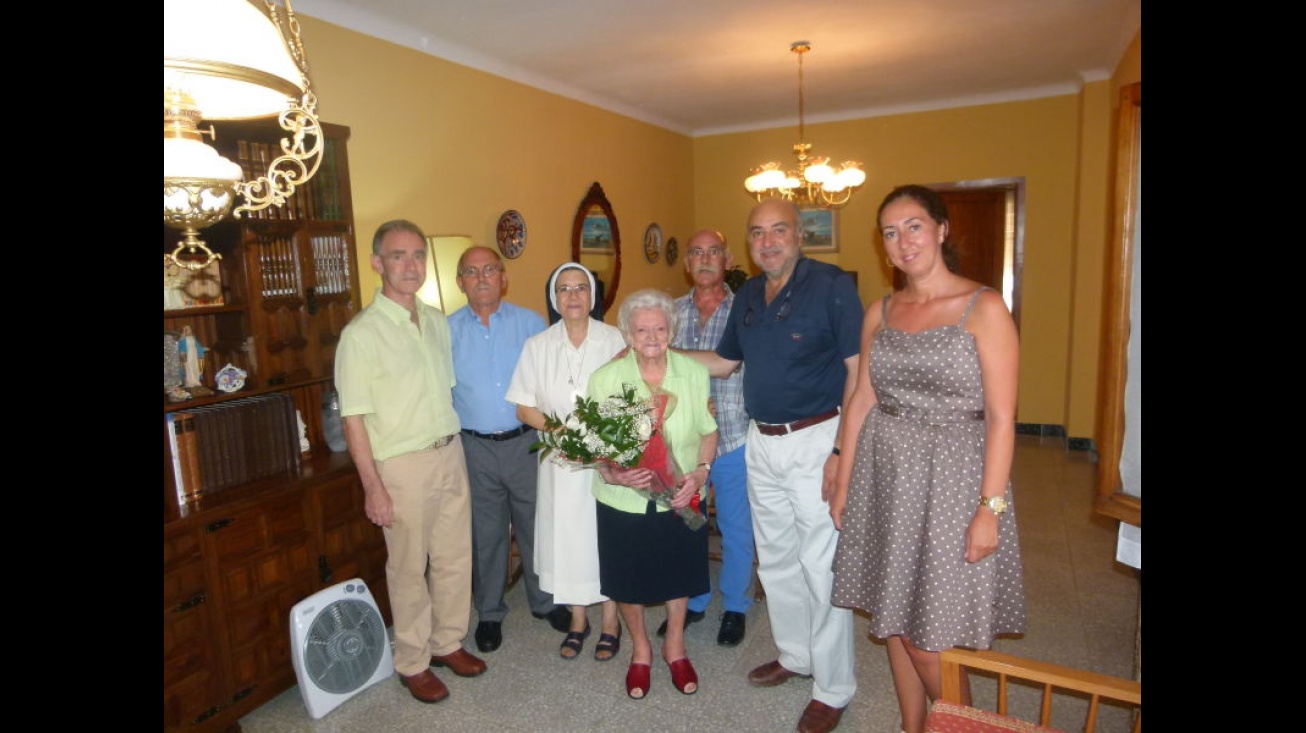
(914, 488)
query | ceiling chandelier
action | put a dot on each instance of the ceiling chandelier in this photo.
(816, 183)
(230, 60)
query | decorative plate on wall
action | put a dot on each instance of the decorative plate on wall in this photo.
(652, 242)
(511, 234)
(673, 251)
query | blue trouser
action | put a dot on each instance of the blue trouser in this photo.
(730, 486)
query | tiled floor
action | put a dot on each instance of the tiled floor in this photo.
(1083, 612)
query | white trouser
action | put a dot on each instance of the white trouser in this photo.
(795, 553)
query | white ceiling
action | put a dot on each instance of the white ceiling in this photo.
(701, 67)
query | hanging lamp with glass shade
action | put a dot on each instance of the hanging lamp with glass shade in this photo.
(231, 60)
(816, 184)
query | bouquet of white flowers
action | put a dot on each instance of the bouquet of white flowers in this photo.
(623, 430)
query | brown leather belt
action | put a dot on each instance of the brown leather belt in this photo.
(796, 425)
(442, 442)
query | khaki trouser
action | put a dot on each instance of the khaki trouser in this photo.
(429, 564)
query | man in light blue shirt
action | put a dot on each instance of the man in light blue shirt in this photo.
(703, 313)
(488, 334)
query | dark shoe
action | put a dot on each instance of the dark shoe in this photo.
(489, 635)
(574, 643)
(462, 662)
(691, 617)
(732, 628)
(683, 676)
(425, 686)
(771, 674)
(637, 680)
(559, 618)
(819, 718)
(608, 646)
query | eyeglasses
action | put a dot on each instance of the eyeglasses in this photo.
(780, 314)
(486, 272)
(710, 252)
(564, 289)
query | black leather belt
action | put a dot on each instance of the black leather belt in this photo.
(504, 435)
(796, 425)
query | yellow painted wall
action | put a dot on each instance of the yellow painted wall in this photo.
(452, 148)
(1036, 139)
(1091, 231)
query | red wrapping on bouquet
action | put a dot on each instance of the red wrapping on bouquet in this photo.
(667, 479)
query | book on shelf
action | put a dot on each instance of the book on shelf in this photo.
(250, 422)
(215, 447)
(234, 446)
(185, 455)
(329, 191)
(190, 459)
(206, 439)
(178, 472)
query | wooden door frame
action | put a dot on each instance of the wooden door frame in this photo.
(1014, 249)
(1112, 500)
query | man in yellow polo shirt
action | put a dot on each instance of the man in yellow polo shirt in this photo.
(394, 373)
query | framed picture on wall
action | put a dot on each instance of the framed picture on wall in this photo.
(820, 230)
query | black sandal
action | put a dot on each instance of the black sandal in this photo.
(608, 645)
(574, 642)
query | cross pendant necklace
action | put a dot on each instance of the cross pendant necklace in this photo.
(573, 375)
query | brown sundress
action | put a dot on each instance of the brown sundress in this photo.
(914, 488)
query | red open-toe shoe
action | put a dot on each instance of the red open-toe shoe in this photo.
(637, 680)
(683, 676)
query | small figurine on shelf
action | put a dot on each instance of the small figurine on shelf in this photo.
(192, 356)
(171, 361)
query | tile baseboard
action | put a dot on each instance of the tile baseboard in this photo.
(1084, 444)
(1047, 431)
(1055, 431)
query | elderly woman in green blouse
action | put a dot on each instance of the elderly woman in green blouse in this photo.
(648, 554)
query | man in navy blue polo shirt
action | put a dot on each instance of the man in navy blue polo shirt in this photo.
(488, 334)
(797, 327)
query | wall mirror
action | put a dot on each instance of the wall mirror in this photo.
(596, 242)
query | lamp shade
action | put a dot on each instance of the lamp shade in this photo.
(230, 57)
(185, 158)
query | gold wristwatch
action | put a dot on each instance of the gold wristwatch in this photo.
(996, 504)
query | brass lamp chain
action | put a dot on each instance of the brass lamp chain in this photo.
(801, 48)
(293, 41)
(827, 186)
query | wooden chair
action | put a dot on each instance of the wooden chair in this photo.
(1054, 682)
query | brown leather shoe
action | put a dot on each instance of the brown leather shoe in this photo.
(425, 686)
(771, 674)
(462, 662)
(819, 718)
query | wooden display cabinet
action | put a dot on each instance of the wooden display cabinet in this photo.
(237, 560)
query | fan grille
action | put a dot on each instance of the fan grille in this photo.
(344, 646)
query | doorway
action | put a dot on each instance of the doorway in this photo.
(988, 229)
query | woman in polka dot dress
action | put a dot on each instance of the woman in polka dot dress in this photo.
(928, 544)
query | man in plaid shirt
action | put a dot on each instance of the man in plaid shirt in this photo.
(703, 313)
